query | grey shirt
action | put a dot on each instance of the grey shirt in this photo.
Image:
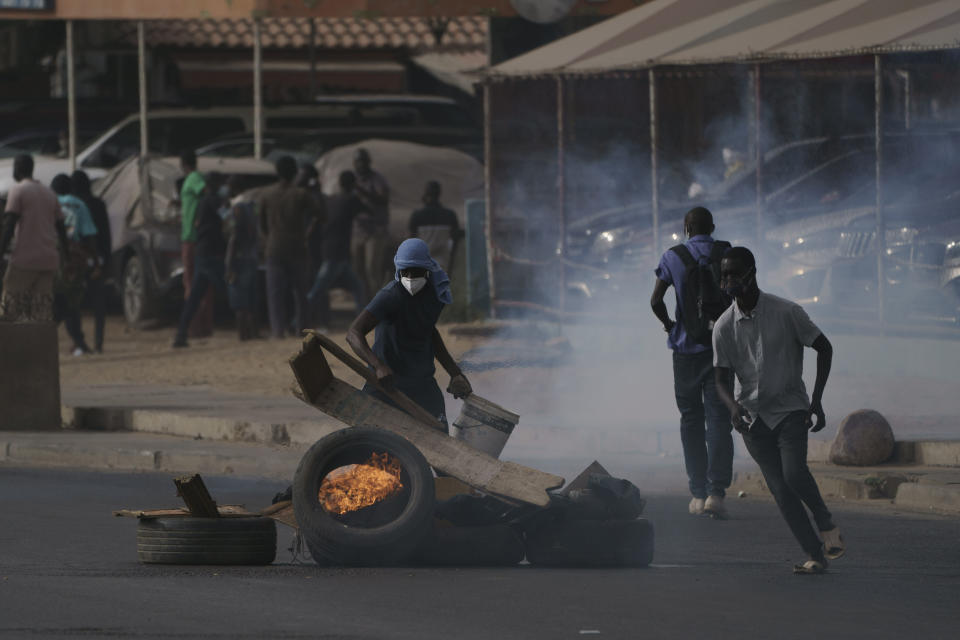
(765, 351)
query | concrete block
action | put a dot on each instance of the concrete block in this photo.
(928, 497)
(29, 377)
(938, 453)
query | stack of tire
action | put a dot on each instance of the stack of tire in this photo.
(215, 541)
(583, 529)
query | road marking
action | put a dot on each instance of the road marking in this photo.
(672, 566)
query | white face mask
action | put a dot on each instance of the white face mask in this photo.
(413, 285)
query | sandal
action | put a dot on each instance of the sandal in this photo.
(833, 545)
(810, 567)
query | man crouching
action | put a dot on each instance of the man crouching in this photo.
(404, 314)
(761, 338)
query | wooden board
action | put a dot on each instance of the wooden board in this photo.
(224, 511)
(195, 495)
(282, 512)
(321, 389)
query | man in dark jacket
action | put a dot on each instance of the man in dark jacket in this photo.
(97, 279)
(285, 212)
(211, 248)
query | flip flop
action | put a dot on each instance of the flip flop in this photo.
(810, 567)
(833, 545)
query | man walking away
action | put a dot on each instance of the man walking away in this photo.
(437, 226)
(693, 269)
(34, 216)
(761, 337)
(284, 212)
(82, 261)
(371, 235)
(242, 260)
(191, 192)
(97, 280)
(342, 208)
(210, 250)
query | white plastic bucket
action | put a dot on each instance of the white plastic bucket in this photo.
(484, 425)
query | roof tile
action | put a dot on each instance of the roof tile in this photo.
(332, 33)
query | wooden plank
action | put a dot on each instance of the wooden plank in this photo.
(282, 512)
(453, 457)
(196, 496)
(225, 511)
(398, 397)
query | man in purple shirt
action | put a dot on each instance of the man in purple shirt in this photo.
(707, 450)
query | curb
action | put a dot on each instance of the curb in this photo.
(139, 453)
(99, 419)
(914, 489)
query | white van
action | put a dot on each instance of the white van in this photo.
(170, 131)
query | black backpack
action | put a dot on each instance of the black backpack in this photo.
(703, 299)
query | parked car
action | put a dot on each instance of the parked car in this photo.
(146, 263)
(819, 224)
(173, 130)
(46, 142)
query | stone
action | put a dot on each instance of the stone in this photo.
(863, 439)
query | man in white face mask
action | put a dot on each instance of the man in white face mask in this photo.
(404, 314)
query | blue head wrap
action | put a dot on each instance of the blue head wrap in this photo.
(414, 254)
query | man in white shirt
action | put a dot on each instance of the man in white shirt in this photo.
(760, 338)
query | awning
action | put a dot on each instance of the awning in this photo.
(683, 32)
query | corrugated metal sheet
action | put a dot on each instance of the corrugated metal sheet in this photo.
(684, 32)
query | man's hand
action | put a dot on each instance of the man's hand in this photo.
(459, 387)
(740, 418)
(384, 376)
(231, 276)
(816, 409)
(668, 326)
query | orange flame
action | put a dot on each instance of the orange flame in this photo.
(360, 485)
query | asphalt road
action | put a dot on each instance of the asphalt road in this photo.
(69, 569)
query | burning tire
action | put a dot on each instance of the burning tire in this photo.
(495, 545)
(189, 540)
(377, 497)
(592, 543)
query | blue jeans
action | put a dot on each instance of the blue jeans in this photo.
(329, 274)
(707, 450)
(207, 272)
(781, 454)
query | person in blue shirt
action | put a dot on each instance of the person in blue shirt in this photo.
(404, 314)
(83, 260)
(707, 450)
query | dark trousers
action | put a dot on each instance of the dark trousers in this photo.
(285, 277)
(705, 428)
(781, 453)
(97, 295)
(208, 272)
(331, 273)
(67, 310)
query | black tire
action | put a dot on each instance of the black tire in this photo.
(496, 545)
(188, 540)
(138, 307)
(330, 540)
(592, 543)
